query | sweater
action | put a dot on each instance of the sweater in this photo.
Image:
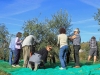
(62, 40)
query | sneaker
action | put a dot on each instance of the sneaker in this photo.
(17, 66)
(62, 68)
(13, 66)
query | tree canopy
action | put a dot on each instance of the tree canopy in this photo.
(97, 17)
(48, 30)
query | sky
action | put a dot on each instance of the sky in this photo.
(13, 13)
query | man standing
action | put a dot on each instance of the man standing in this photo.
(28, 45)
(76, 46)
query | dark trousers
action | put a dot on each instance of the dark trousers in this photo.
(17, 56)
(52, 60)
(31, 64)
(68, 57)
(5, 55)
(32, 50)
(76, 54)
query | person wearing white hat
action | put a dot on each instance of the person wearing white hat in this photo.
(76, 38)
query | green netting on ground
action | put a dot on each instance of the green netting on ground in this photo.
(86, 69)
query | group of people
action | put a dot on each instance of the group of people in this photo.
(30, 57)
(33, 59)
(76, 40)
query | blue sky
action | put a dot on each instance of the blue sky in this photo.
(13, 13)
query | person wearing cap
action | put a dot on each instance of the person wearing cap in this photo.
(39, 58)
(63, 43)
(76, 38)
(28, 46)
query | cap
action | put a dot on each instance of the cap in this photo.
(77, 29)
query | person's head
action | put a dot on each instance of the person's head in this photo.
(62, 31)
(19, 34)
(76, 31)
(49, 47)
(93, 38)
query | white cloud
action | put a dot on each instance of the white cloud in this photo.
(94, 3)
(18, 6)
(83, 21)
(90, 33)
(93, 26)
(13, 24)
(13, 19)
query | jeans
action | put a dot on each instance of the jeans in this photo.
(62, 55)
(76, 54)
(11, 54)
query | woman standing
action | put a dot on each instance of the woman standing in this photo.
(18, 42)
(62, 41)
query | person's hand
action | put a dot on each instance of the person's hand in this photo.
(21, 41)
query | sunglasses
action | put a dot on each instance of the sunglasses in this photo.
(50, 48)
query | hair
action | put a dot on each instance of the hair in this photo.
(93, 38)
(62, 30)
(18, 34)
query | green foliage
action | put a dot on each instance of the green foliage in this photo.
(3, 32)
(60, 19)
(4, 37)
(48, 30)
(97, 17)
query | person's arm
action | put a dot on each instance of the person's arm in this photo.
(18, 41)
(44, 56)
(35, 40)
(73, 37)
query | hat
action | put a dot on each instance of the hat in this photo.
(77, 29)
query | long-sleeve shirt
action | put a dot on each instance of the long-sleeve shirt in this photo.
(17, 43)
(29, 40)
(93, 43)
(77, 40)
(62, 40)
(12, 44)
(44, 53)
